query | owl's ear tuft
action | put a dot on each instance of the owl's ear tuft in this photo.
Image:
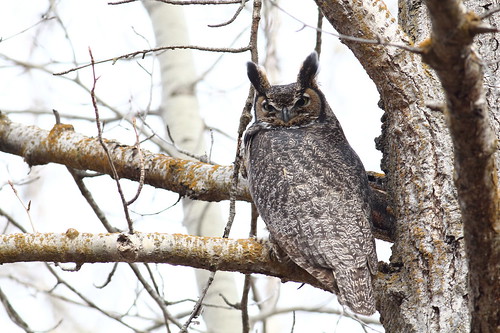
(258, 77)
(308, 71)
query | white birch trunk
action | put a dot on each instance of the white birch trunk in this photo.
(180, 112)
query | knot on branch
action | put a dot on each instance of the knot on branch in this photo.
(127, 247)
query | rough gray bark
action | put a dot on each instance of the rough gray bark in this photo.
(488, 46)
(461, 73)
(425, 289)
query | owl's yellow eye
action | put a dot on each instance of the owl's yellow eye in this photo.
(303, 101)
(268, 107)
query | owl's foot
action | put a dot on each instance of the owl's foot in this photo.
(276, 253)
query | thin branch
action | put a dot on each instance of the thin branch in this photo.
(44, 19)
(198, 305)
(244, 304)
(489, 13)
(11, 220)
(106, 150)
(90, 200)
(201, 158)
(109, 278)
(248, 277)
(319, 30)
(26, 208)
(12, 313)
(245, 119)
(62, 115)
(156, 297)
(185, 2)
(231, 20)
(377, 41)
(143, 54)
(137, 146)
(315, 309)
(89, 303)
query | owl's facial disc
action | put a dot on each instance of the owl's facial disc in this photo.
(287, 111)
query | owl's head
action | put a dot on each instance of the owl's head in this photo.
(295, 104)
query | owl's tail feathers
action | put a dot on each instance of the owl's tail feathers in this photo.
(356, 291)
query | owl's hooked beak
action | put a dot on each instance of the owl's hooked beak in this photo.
(285, 114)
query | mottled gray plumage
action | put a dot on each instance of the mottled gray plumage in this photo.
(310, 187)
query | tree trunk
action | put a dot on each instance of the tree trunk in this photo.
(425, 289)
(179, 110)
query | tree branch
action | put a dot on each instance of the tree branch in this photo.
(210, 253)
(62, 145)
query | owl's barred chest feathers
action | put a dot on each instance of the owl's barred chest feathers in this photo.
(298, 151)
(310, 187)
(312, 166)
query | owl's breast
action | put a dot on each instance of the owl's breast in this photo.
(306, 171)
(287, 164)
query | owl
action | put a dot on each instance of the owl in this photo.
(310, 187)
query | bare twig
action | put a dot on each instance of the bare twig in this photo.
(88, 302)
(141, 162)
(143, 53)
(231, 20)
(44, 19)
(319, 31)
(198, 306)
(12, 313)
(489, 13)
(248, 277)
(62, 115)
(11, 220)
(185, 2)
(156, 297)
(244, 119)
(201, 158)
(315, 309)
(110, 160)
(26, 208)
(110, 276)
(244, 304)
(90, 200)
(377, 41)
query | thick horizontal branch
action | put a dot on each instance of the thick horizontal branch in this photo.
(196, 180)
(62, 145)
(210, 253)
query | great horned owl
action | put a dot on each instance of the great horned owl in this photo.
(310, 187)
